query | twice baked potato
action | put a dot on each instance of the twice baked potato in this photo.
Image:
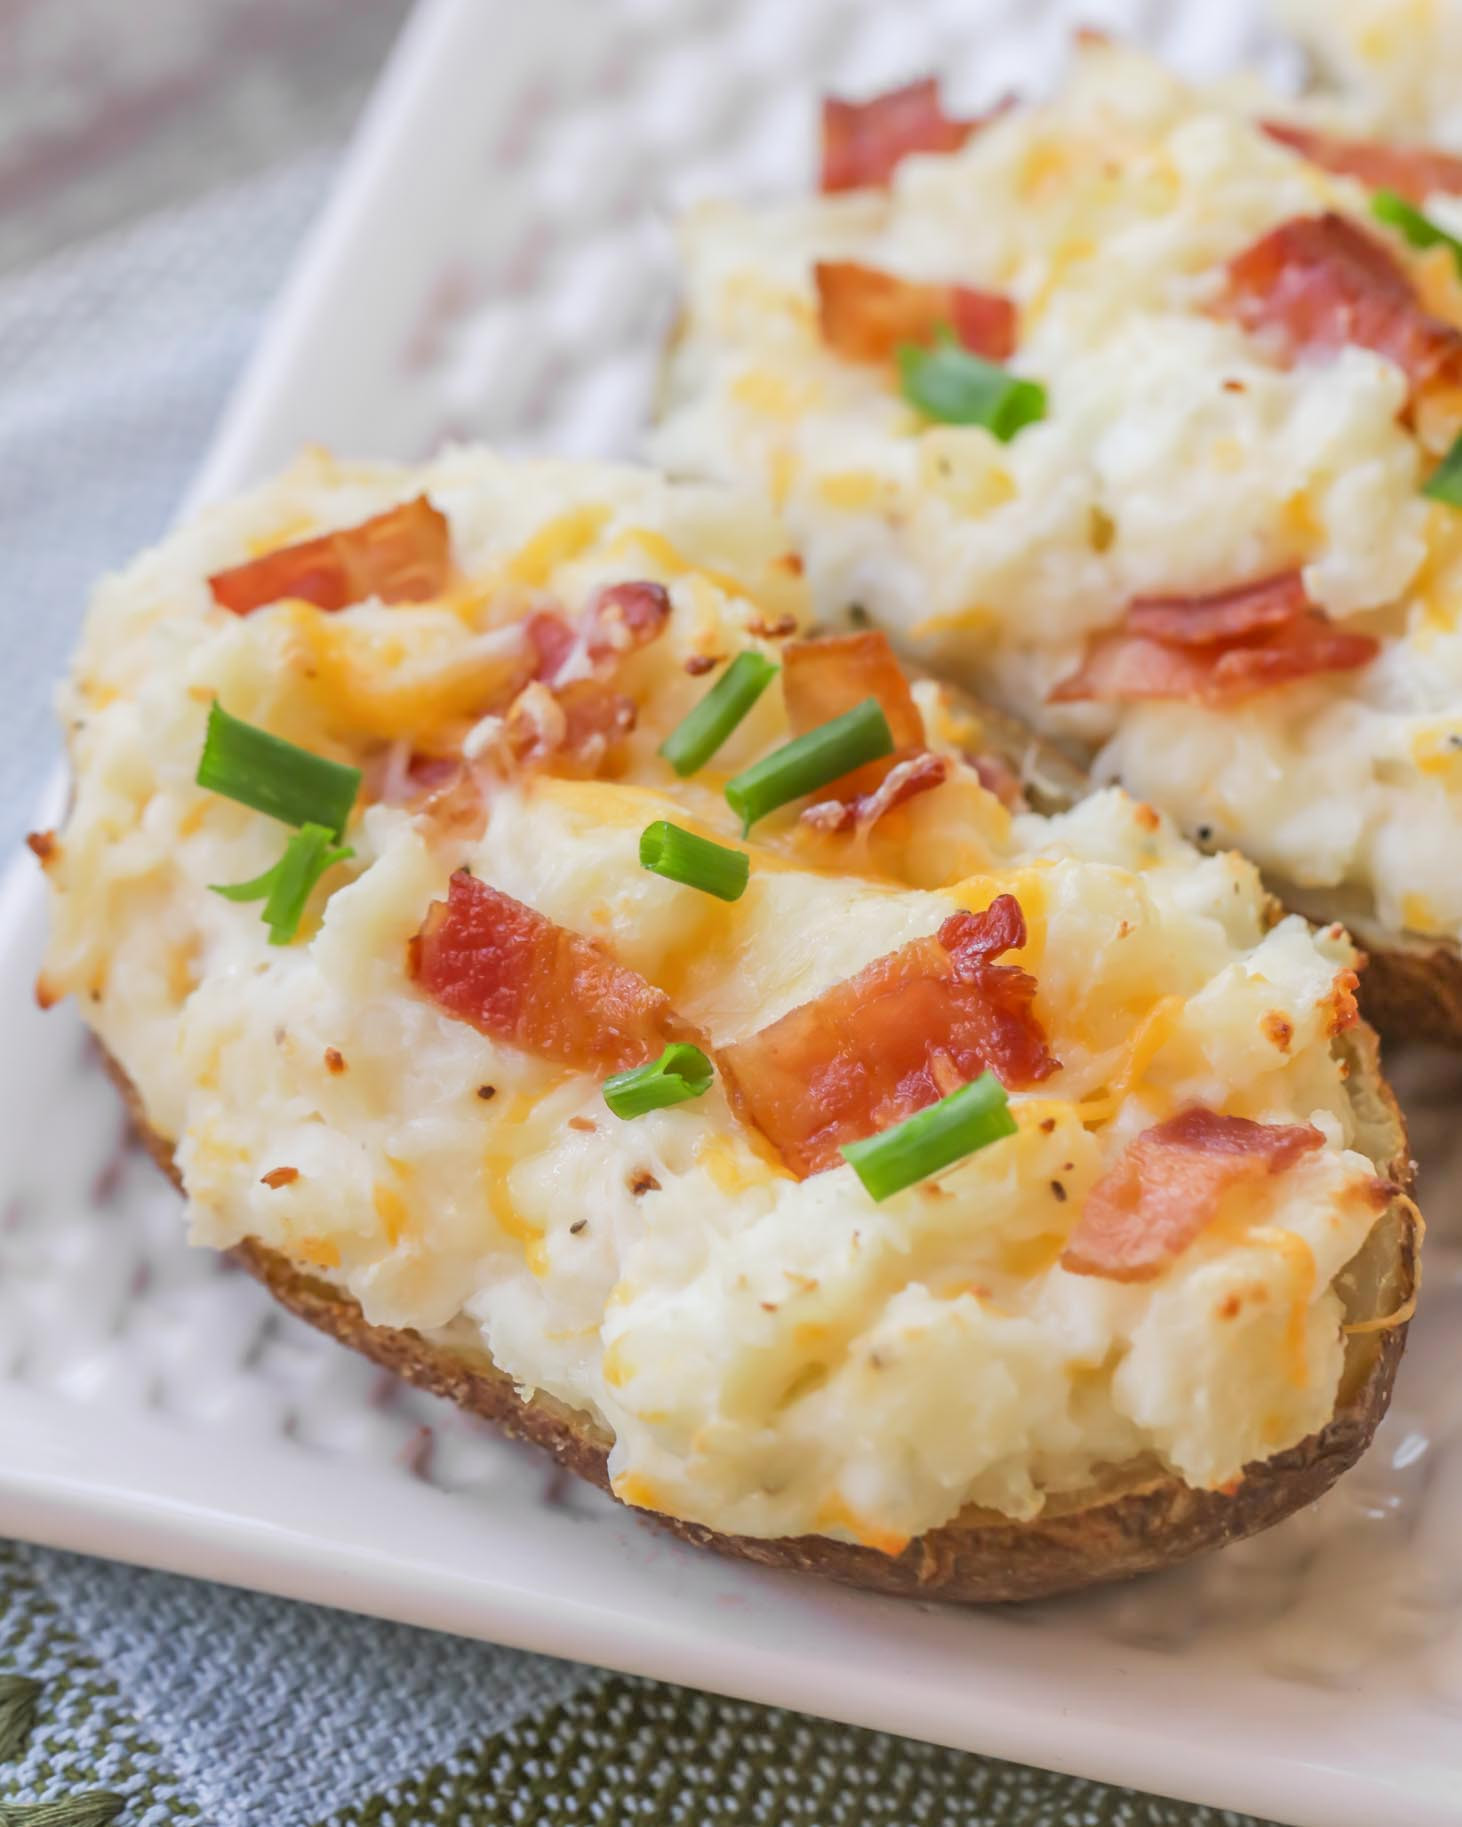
(1132, 410)
(901, 1173)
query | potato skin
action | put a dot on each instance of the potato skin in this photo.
(1147, 1518)
(1412, 988)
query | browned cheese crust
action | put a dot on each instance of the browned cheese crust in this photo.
(1138, 1519)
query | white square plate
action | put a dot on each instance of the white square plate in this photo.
(495, 262)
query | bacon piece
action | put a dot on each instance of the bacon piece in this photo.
(568, 714)
(1324, 281)
(983, 322)
(618, 621)
(1413, 172)
(865, 142)
(907, 1030)
(996, 776)
(1221, 615)
(1165, 1189)
(917, 774)
(1216, 648)
(822, 678)
(401, 556)
(572, 728)
(864, 314)
(521, 978)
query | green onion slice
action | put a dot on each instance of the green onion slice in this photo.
(1445, 481)
(934, 1138)
(681, 1072)
(273, 776)
(693, 741)
(287, 887)
(811, 761)
(949, 384)
(681, 856)
(1408, 221)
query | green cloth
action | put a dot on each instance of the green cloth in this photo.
(88, 1723)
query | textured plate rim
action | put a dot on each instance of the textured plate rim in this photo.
(59, 1487)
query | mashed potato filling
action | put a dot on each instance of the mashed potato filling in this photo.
(1396, 62)
(1179, 454)
(772, 1356)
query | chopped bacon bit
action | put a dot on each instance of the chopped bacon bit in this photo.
(46, 993)
(864, 314)
(701, 663)
(983, 322)
(1166, 1186)
(1278, 1029)
(823, 678)
(1413, 172)
(1324, 282)
(551, 640)
(445, 789)
(428, 777)
(43, 845)
(334, 1060)
(624, 617)
(1120, 666)
(619, 620)
(865, 142)
(916, 774)
(908, 1029)
(572, 728)
(567, 714)
(998, 777)
(521, 978)
(401, 556)
(1217, 648)
(279, 1176)
(1221, 615)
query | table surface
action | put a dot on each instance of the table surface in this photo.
(158, 164)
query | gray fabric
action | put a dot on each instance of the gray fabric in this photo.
(114, 362)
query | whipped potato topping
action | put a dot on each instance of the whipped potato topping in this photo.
(771, 1355)
(1395, 61)
(1180, 453)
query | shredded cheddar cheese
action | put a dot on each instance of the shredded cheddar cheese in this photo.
(1300, 1259)
(567, 537)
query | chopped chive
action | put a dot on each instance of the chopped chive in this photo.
(949, 384)
(934, 1138)
(273, 776)
(286, 887)
(681, 1072)
(1409, 222)
(681, 856)
(811, 761)
(693, 741)
(1445, 481)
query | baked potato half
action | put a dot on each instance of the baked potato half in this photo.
(1136, 1519)
(1139, 444)
(893, 1161)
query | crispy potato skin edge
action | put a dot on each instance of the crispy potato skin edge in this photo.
(1415, 992)
(980, 1557)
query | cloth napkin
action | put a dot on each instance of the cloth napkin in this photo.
(186, 1702)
